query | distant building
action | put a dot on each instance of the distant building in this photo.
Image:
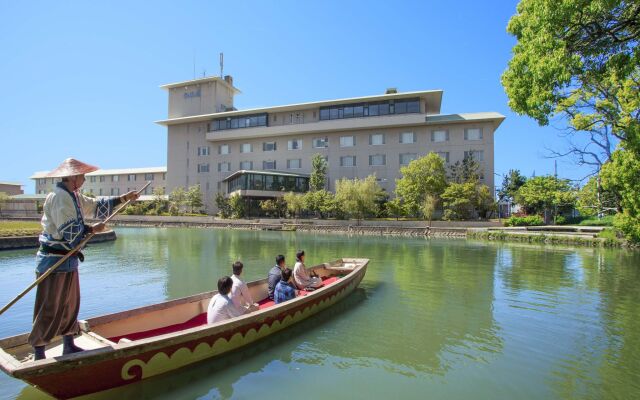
(11, 188)
(209, 141)
(111, 182)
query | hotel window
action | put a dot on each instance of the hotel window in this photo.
(102, 178)
(246, 148)
(148, 177)
(295, 163)
(224, 167)
(115, 178)
(347, 141)
(407, 137)
(203, 151)
(477, 155)
(131, 177)
(223, 149)
(376, 139)
(92, 179)
(203, 167)
(294, 144)
(348, 161)
(444, 155)
(370, 109)
(164, 176)
(377, 160)
(245, 121)
(319, 143)
(406, 158)
(100, 192)
(269, 146)
(473, 134)
(440, 136)
(268, 165)
(246, 165)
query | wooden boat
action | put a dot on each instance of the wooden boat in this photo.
(129, 346)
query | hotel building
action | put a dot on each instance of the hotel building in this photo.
(111, 182)
(262, 152)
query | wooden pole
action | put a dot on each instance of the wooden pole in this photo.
(66, 256)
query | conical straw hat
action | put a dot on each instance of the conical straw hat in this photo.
(71, 167)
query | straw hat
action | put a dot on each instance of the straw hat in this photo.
(71, 167)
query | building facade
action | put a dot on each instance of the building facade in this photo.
(111, 182)
(11, 188)
(209, 140)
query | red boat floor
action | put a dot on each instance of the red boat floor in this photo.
(199, 319)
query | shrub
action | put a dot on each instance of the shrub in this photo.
(531, 220)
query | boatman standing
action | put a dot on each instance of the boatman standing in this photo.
(63, 228)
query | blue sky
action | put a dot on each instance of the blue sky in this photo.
(80, 79)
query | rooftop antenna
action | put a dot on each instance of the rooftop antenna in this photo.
(221, 64)
(555, 169)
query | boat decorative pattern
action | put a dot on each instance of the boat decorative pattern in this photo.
(160, 362)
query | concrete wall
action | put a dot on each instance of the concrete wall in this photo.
(10, 189)
(109, 184)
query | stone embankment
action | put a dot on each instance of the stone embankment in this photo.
(396, 228)
(26, 242)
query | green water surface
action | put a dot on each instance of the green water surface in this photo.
(432, 319)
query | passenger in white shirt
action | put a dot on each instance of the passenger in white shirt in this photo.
(302, 277)
(240, 295)
(221, 307)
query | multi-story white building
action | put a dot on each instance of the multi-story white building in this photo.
(210, 141)
(111, 182)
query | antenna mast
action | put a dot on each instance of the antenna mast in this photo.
(221, 64)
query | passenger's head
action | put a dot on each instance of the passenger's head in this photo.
(300, 255)
(237, 268)
(224, 285)
(286, 274)
(280, 260)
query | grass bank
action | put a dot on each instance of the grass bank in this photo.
(605, 239)
(19, 228)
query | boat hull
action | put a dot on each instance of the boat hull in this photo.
(121, 365)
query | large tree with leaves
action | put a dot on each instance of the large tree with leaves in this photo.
(547, 195)
(318, 173)
(422, 177)
(622, 176)
(579, 59)
(357, 197)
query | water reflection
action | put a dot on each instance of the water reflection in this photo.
(455, 319)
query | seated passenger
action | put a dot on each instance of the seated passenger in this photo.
(302, 277)
(240, 295)
(275, 274)
(221, 307)
(284, 289)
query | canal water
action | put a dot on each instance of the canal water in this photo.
(437, 319)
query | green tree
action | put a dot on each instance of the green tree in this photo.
(458, 201)
(621, 175)
(318, 173)
(511, 182)
(578, 59)
(467, 170)
(238, 206)
(295, 203)
(193, 198)
(484, 201)
(395, 208)
(319, 202)
(222, 203)
(357, 197)
(422, 177)
(593, 200)
(159, 204)
(177, 200)
(546, 195)
(429, 207)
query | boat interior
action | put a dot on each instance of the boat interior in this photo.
(147, 322)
